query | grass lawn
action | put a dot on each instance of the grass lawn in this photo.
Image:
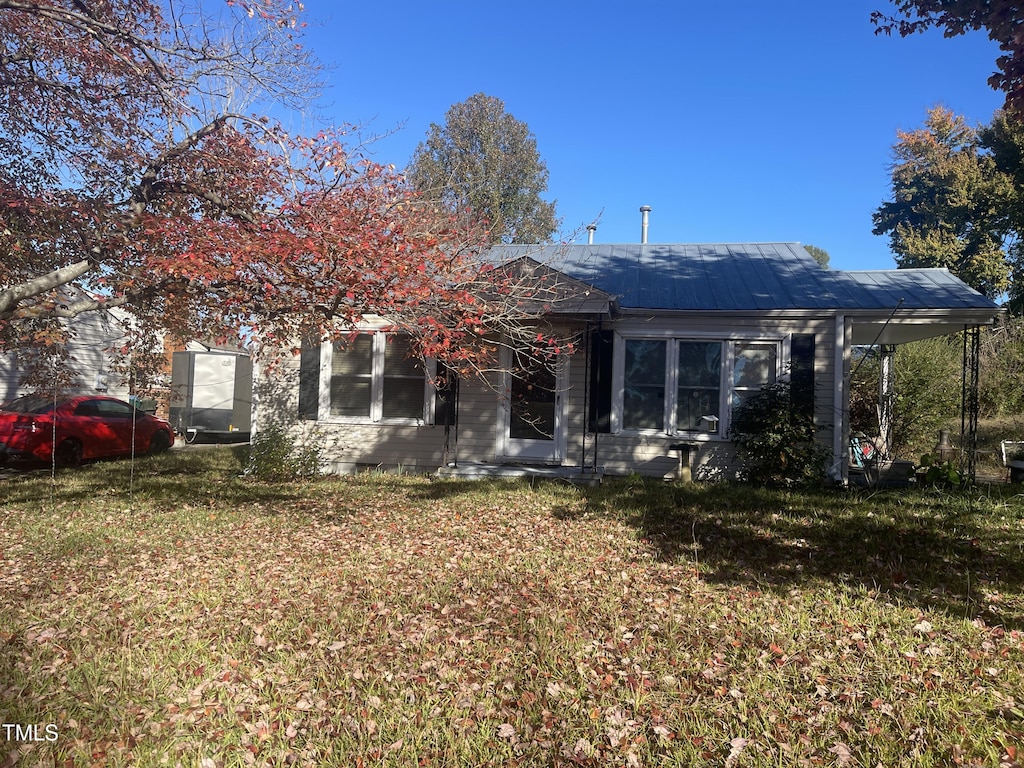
(176, 614)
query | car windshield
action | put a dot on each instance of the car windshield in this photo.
(29, 404)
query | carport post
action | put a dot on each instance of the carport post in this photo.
(886, 398)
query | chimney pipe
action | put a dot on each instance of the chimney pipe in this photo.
(644, 210)
(591, 228)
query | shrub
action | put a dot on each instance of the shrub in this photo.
(775, 443)
(275, 457)
(928, 376)
(1002, 368)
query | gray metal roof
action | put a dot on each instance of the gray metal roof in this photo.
(743, 277)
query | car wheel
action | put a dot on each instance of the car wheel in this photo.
(160, 442)
(68, 454)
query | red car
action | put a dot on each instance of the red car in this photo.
(71, 430)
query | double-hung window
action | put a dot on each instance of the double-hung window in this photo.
(688, 386)
(755, 365)
(374, 377)
(698, 385)
(643, 392)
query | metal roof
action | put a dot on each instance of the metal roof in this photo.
(744, 277)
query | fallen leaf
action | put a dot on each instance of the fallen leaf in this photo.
(842, 753)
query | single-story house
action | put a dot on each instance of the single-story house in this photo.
(670, 338)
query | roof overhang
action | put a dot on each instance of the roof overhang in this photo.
(906, 326)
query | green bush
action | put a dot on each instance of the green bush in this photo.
(275, 457)
(928, 379)
(775, 443)
(1002, 369)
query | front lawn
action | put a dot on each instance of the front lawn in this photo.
(173, 613)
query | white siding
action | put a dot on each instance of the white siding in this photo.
(88, 368)
(350, 446)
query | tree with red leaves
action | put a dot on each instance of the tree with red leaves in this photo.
(138, 172)
(1001, 18)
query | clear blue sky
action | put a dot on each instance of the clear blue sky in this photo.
(752, 120)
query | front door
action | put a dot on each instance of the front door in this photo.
(532, 417)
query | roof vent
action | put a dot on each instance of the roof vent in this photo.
(644, 211)
(591, 229)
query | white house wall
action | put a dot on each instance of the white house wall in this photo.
(419, 448)
(89, 362)
(345, 447)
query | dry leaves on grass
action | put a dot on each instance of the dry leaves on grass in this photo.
(398, 621)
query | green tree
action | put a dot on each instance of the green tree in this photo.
(945, 207)
(1004, 138)
(1002, 369)
(820, 254)
(1000, 18)
(484, 164)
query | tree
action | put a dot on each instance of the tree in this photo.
(945, 207)
(132, 177)
(1004, 139)
(820, 254)
(1001, 19)
(121, 152)
(483, 164)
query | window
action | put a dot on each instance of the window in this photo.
(403, 382)
(374, 378)
(643, 403)
(352, 377)
(686, 386)
(105, 409)
(699, 387)
(755, 366)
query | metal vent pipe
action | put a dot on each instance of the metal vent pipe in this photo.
(644, 211)
(591, 229)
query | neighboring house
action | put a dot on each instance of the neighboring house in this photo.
(671, 337)
(89, 366)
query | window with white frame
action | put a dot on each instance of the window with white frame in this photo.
(699, 385)
(373, 377)
(755, 366)
(643, 391)
(686, 386)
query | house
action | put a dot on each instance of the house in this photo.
(89, 365)
(670, 338)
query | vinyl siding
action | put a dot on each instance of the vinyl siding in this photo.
(420, 448)
(88, 367)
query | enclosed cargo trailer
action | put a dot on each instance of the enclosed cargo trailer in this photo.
(211, 396)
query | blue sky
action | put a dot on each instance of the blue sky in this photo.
(752, 120)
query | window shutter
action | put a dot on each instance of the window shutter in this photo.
(445, 396)
(802, 374)
(309, 379)
(599, 417)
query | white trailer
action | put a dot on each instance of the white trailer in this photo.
(211, 396)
